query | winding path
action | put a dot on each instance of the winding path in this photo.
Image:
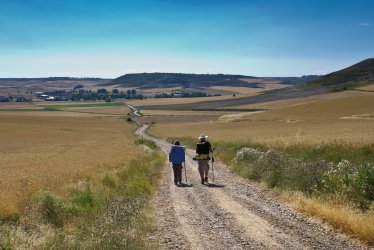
(232, 213)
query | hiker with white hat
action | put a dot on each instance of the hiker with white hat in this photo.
(203, 148)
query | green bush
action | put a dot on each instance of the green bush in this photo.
(51, 207)
(6, 243)
(363, 184)
(109, 181)
(354, 184)
(86, 200)
(138, 178)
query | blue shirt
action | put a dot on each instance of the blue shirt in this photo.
(177, 154)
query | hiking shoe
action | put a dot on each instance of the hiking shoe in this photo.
(202, 181)
(206, 179)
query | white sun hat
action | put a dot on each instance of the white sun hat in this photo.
(203, 136)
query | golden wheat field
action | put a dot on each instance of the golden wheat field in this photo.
(246, 90)
(346, 116)
(369, 87)
(110, 111)
(56, 150)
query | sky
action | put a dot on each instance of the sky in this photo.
(93, 38)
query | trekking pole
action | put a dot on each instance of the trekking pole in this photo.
(185, 171)
(212, 166)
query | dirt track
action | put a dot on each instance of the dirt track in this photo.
(230, 214)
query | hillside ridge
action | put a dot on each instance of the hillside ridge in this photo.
(358, 74)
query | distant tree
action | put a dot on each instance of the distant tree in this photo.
(102, 91)
(133, 92)
(115, 91)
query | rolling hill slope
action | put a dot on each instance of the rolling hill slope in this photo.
(162, 80)
(355, 75)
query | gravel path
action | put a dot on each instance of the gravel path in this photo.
(230, 213)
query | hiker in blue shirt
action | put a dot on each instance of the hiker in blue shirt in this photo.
(177, 157)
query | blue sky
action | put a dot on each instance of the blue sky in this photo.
(255, 37)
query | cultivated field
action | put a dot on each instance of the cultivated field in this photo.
(58, 149)
(346, 116)
(367, 87)
(246, 90)
(171, 101)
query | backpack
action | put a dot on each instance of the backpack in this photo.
(177, 154)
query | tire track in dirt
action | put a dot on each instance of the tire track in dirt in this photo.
(234, 215)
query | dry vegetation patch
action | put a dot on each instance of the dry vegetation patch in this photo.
(355, 223)
(367, 87)
(248, 90)
(119, 110)
(56, 150)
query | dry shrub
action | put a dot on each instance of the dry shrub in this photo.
(348, 221)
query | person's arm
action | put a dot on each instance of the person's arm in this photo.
(171, 151)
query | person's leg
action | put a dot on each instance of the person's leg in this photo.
(175, 169)
(206, 170)
(180, 173)
(201, 169)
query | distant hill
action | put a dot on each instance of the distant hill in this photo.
(57, 78)
(358, 74)
(13, 86)
(162, 80)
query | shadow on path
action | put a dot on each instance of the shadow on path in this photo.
(212, 185)
(184, 185)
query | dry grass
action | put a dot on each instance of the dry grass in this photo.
(183, 112)
(57, 150)
(347, 221)
(367, 88)
(115, 110)
(260, 80)
(247, 90)
(308, 121)
(18, 105)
